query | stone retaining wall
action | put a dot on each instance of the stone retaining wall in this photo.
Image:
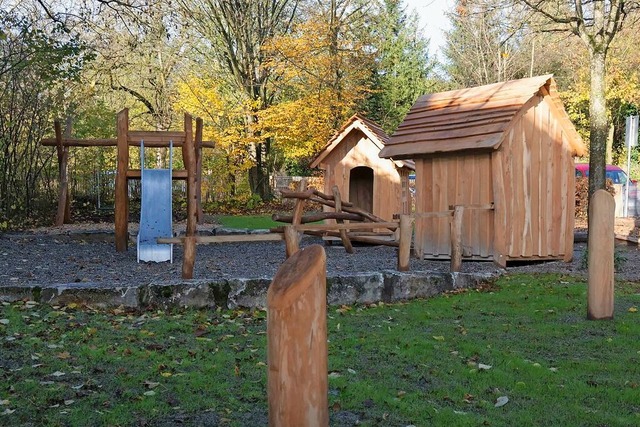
(362, 288)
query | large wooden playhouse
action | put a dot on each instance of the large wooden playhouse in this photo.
(505, 152)
(351, 161)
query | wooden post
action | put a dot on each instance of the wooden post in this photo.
(67, 206)
(298, 209)
(404, 242)
(297, 342)
(600, 257)
(343, 233)
(291, 240)
(198, 148)
(189, 257)
(456, 239)
(189, 157)
(63, 181)
(121, 190)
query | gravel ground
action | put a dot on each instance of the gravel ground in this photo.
(79, 254)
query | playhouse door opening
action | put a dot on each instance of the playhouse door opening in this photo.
(361, 188)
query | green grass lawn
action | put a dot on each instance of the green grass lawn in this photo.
(251, 222)
(444, 361)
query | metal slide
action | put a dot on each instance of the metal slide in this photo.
(155, 211)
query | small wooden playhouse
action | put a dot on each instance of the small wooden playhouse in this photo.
(351, 161)
(505, 152)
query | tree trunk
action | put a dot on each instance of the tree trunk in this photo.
(598, 122)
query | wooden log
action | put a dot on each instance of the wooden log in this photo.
(75, 142)
(111, 142)
(349, 226)
(404, 241)
(292, 244)
(343, 233)
(297, 374)
(289, 194)
(177, 174)
(456, 239)
(224, 239)
(366, 215)
(121, 190)
(300, 194)
(198, 148)
(63, 183)
(298, 209)
(317, 217)
(189, 258)
(67, 208)
(353, 237)
(155, 138)
(600, 257)
(189, 157)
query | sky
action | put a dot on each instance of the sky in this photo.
(432, 19)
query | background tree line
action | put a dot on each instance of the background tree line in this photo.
(272, 79)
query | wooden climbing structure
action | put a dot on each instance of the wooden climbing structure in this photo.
(190, 143)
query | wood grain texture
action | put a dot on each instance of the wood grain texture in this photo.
(600, 257)
(297, 354)
(121, 191)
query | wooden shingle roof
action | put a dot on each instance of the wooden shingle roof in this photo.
(371, 129)
(474, 118)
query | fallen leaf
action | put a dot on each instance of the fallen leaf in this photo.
(4, 321)
(401, 393)
(351, 371)
(438, 338)
(8, 411)
(58, 374)
(149, 393)
(69, 402)
(501, 401)
(166, 374)
(63, 355)
(334, 374)
(633, 310)
(4, 402)
(151, 385)
(483, 367)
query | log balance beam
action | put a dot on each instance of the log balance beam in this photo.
(290, 235)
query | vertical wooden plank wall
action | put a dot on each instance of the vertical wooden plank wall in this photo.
(454, 179)
(534, 188)
(121, 190)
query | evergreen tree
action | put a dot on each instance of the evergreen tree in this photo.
(402, 67)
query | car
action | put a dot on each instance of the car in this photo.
(613, 172)
(619, 180)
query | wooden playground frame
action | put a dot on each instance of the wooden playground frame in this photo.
(192, 156)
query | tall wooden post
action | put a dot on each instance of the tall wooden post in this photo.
(291, 243)
(63, 180)
(189, 257)
(600, 257)
(297, 341)
(121, 190)
(404, 242)
(456, 238)
(68, 129)
(343, 233)
(198, 148)
(189, 157)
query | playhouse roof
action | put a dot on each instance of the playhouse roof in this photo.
(371, 129)
(474, 118)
